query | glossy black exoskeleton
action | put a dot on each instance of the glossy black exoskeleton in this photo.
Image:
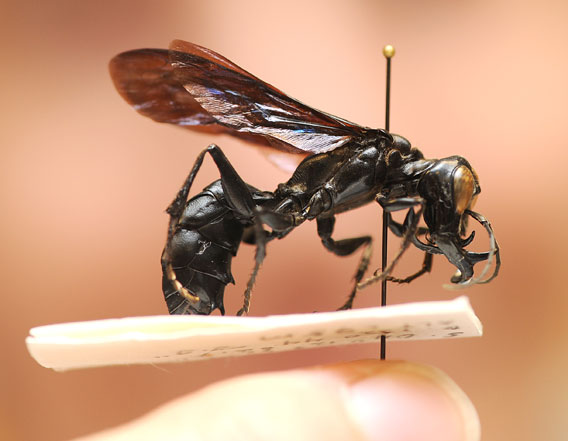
(345, 166)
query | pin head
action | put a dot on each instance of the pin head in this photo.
(388, 51)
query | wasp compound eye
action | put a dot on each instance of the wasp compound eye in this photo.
(464, 186)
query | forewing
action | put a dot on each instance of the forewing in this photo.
(165, 86)
(145, 79)
(239, 101)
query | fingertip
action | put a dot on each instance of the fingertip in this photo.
(397, 400)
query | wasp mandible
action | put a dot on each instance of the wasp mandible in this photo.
(344, 166)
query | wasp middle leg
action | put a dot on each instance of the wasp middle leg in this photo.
(345, 247)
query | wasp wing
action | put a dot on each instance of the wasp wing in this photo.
(145, 79)
(240, 101)
(196, 88)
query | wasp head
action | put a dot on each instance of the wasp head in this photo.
(449, 189)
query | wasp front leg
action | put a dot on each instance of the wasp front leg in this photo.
(409, 229)
(400, 230)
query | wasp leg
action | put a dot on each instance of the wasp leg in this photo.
(410, 229)
(259, 255)
(281, 224)
(399, 230)
(175, 210)
(236, 191)
(426, 268)
(345, 247)
(240, 199)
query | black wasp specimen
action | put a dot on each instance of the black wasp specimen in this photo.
(344, 166)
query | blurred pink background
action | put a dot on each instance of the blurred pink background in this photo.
(85, 181)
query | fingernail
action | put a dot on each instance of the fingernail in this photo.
(405, 401)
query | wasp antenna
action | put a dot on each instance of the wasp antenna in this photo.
(388, 52)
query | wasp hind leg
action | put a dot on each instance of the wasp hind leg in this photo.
(175, 210)
(345, 247)
(260, 240)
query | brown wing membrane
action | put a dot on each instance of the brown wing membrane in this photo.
(145, 79)
(242, 102)
(196, 88)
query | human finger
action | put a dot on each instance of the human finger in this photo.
(361, 400)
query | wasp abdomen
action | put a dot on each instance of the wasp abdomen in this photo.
(206, 239)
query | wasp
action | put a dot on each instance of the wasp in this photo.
(343, 166)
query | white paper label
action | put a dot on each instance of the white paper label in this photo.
(160, 339)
